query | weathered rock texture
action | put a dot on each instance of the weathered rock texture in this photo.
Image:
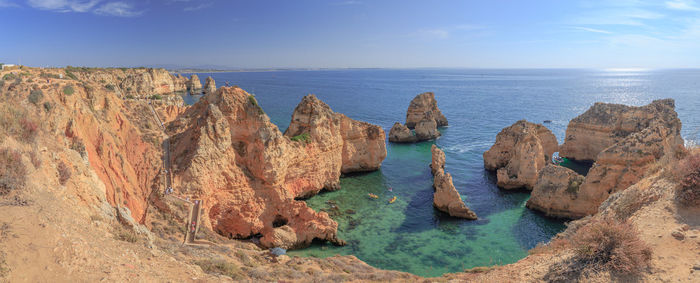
(556, 192)
(423, 116)
(424, 106)
(446, 197)
(519, 153)
(227, 152)
(194, 85)
(209, 85)
(624, 141)
(131, 82)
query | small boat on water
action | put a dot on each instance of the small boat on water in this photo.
(371, 195)
(392, 200)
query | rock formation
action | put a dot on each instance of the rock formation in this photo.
(446, 197)
(520, 152)
(422, 115)
(227, 152)
(424, 106)
(556, 191)
(209, 85)
(194, 85)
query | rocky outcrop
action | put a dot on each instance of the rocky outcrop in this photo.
(209, 85)
(424, 117)
(359, 145)
(640, 136)
(227, 152)
(424, 106)
(194, 85)
(401, 134)
(519, 153)
(446, 197)
(556, 192)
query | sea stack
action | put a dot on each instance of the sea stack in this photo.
(520, 152)
(194, 85)
(209, 85)
(556, 191)
(624, 141)
(423, 117)
(446, 197)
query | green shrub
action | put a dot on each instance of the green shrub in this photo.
(129, 96)
(48, 106)
(156, 97)
(35, 96)
(110, 87)
(12, 171)
(305, 137)
(9, 77)
(254, 102)
(71, 75)
(218, 266)
(68, 90)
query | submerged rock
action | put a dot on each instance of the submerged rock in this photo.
(556, 191)
(209, 85)
(446, 197)
(520, 152)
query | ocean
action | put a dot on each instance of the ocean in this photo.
(409, 234)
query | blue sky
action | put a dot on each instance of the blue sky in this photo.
(352, 33)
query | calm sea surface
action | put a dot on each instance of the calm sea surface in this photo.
(409, 235)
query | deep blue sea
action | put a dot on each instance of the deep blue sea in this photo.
(410, 235)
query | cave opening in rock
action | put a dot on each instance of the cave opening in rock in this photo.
(279, 221)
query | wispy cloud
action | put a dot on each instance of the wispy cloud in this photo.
(119, 9)
(7, 4)
(345, 3)
(434, 33)
(592, 30)
(685, 5)
(197, 7)
(80, 6)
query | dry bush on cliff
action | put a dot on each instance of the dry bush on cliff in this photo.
(610, 245)
(687, 173)
(64, 172)
(217, 266)
(16, 122)
(12, 171)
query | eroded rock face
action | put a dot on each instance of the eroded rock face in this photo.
(519, 153)
(194, 85)
(556, 192)
(640, 137)
(209, 85)
(424, 106)
(426, 129)
(133, 82)
(446, 197)
(401, 134)
(248, 173)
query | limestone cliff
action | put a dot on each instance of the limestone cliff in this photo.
(640, 136)
(446, 197)
(520, 152)
(227, 152)
(209, 85)
(142, 82)
(556, 191)
(402, 134)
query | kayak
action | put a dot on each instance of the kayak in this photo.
(392, 200)
(371, 195)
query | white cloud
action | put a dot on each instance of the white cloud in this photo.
(80, 6)
(7, 4)
(120, 9)
(592, 30)
(685, 5)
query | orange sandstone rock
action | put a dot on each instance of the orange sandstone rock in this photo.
(446, 197)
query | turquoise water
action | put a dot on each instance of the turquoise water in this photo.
(409, 234)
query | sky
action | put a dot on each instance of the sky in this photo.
(352, 33)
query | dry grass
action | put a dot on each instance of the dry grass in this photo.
(12, 171)
(218, 266)
(687, 174)
(123, 234)
(16, 122)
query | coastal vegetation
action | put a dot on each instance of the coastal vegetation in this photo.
(687, 174)
(68, 90)
(301, 138)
